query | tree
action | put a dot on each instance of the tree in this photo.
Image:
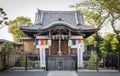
(3, 18)
(13, 27)
(7, 50)
(93, 16)
(92, 60)
(97, 12)
(110, 44)
(22, 61)
(112, 8)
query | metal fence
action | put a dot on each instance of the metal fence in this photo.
(62, 62)
(31, 61)
(102, 62)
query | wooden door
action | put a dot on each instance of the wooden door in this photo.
(63, 46)
(54, 47)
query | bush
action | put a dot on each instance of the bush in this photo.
(22, 61)
(92, 60)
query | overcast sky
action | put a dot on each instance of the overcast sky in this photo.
(28, 8)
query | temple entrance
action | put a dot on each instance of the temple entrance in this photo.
(63, 46)
(63, 62)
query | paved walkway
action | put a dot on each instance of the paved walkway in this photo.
(62, 73)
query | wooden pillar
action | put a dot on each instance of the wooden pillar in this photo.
(50, 45)
(69, 47)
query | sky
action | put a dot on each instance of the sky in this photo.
(28, 8)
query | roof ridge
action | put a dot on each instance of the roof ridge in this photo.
(58, 10)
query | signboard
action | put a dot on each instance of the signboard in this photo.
(80, 51)
(42, 44)
(42, 57)
(79, 44)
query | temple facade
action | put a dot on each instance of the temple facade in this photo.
(57, 39)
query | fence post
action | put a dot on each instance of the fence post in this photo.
(26, 64)
(104, 61)
(118, 62)
(97, 64)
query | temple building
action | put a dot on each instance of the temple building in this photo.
(57, 39)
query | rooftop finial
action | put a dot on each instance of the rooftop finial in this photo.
(59, 19)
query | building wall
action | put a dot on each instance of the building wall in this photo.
(18, 48)
(28, 45)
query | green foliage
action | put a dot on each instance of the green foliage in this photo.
(3, 18)
(98, 12)
(22, 61)
(110, 43)
(89, 40)
(8, 48)
(14, 27)
(92, 60)
(112, 6)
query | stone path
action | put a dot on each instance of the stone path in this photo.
(62, 73)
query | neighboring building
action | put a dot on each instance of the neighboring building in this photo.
(57, 39)
(18, 48)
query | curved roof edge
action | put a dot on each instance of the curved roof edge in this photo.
(60, 23)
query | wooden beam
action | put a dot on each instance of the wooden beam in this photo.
(42, 37)
(77, 37)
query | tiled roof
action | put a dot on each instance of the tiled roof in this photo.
(3, 40)
(45, 19)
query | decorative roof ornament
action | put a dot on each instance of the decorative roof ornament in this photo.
(59, 19)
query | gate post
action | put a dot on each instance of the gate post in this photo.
(118, 62)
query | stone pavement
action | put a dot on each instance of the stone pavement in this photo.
(62, 73)
(24, 73)
(58, 73)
